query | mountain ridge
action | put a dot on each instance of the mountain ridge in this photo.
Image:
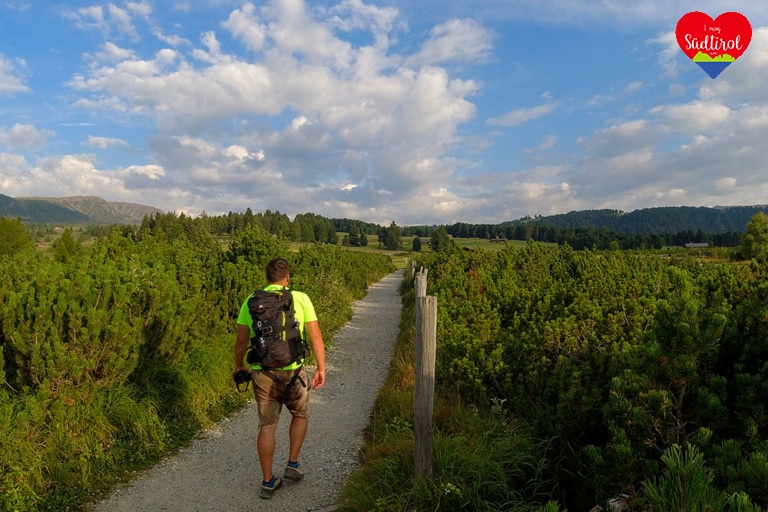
(660, 219)
(74, 209)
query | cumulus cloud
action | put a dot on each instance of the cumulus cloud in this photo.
(24, 136)
(11, 76)
(399, 118)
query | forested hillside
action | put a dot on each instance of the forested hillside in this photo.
(650, 228)
(660, 220)
(668, 219)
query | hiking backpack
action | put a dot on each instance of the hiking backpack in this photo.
(277, 342)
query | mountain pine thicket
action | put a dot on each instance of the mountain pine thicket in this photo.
(114, 353)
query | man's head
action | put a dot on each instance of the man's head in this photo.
(278, 270)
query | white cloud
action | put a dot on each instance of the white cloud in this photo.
(548, 142)
(352, 15)
(112, 20)
(11, 81)
(153, 172)
(454, 41)
(522, 115)
(601, 99)
(24, 136)
(695, 116)
(112, 53)
(121, 20)
(91, 17)
(142, 9)
(105, 142)
(244, 24)
(350, 101)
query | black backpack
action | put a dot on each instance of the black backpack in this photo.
(277, 342)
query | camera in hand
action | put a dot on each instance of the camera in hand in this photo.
(242, 377)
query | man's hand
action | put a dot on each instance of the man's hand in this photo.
(318, 379)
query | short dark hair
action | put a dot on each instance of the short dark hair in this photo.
(277, 270)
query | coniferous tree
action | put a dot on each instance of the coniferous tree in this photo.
(66, 247)
(440, 241)
(13, 236)
(354, 236)
(754, 244)
(394, 238)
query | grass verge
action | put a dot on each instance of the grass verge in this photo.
(483, 459)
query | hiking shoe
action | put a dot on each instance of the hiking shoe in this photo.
(293, 473)
(267, 491)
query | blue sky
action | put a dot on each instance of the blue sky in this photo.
(428, 112)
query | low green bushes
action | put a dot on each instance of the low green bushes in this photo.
(115, 357)
(633, 379)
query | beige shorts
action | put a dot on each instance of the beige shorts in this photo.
(273, 389)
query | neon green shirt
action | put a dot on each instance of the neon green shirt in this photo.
(305, 312)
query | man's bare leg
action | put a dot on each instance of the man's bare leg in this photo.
(265, 445)
(296, 433)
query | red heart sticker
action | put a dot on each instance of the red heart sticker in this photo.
(713, 44)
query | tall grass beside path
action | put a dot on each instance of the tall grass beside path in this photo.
(483, 458)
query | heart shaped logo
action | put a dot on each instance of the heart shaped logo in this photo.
(713, 44)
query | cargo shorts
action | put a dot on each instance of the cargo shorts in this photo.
(273, 389)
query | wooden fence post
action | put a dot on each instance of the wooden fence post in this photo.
(420, 284)
(424, 392)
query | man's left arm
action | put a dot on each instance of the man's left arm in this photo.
(316, 339)
(241, 347)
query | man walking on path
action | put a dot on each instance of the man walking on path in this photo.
(286, 385)
(203, 475)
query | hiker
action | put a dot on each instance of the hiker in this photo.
(285, 385)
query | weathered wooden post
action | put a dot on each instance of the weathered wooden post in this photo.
(420, 284)
(424, 392)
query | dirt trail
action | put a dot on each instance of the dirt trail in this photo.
(220, 471)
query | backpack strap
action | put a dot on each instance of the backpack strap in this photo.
(296, 376)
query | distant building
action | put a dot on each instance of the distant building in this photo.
(696, 245)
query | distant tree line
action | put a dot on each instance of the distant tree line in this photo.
(305, 227)
(580, 238)
(652, 228)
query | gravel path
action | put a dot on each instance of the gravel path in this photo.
(220, 471)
